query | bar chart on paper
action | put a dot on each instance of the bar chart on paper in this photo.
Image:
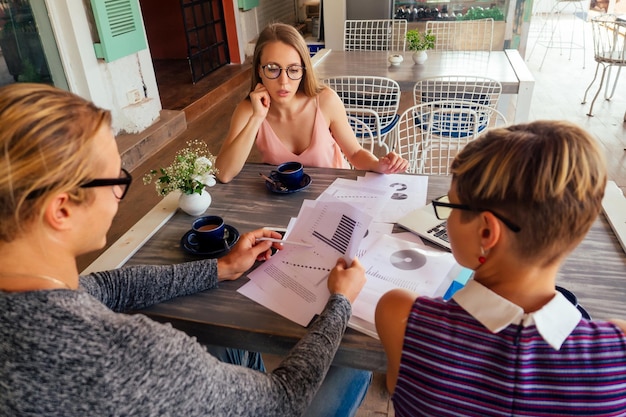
(340, 239)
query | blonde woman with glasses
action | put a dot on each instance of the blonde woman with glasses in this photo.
(65, 347)
(290, 116)
(509, 343)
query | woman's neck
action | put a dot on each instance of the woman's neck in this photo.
(19, 282)
(529, 287)
(31, 264)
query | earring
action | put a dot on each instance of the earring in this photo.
(481, 258)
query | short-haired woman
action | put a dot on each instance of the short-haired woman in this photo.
(521, 199)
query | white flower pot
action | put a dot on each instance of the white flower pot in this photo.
(419, 57)
(195, 204)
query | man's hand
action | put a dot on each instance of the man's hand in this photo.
(243, 255)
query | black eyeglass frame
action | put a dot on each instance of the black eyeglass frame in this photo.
(126, 180)
(436, 203)
(286, 69)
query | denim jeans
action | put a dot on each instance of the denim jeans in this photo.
(252, 360)
(340, 395)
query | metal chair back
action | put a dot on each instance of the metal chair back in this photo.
(430, 135)
(363, 132)
(374, 35)
(609, 47)
(462, 35)
(379, 95)
(475, 89)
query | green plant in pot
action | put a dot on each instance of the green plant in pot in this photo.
(419, 43)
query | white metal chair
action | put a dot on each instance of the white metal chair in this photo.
(379, 95)
(374, 35)
(462, 35)
(481, 90)
(429, 135)
(398, 38)
(559, 33)
(362, 131)
(609, 44)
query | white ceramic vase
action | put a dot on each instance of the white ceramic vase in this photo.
(419, 57)
(195, 204)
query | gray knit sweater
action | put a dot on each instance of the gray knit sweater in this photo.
(71, 353)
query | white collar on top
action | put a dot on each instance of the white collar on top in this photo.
(555, 320)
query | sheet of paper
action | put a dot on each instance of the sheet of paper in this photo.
(396, 263)
(368, 198)
(376, 230)
(293, 282)
(408, 192)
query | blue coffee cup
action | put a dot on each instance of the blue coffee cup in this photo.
(290, 174)
(208, 231)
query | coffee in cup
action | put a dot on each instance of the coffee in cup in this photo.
(290, 174)
(209, 231)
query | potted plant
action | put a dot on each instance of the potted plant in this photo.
(192, 170)
(419, 42)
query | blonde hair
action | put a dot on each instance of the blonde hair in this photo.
(287, 34)
(46, 137)
(546, 176)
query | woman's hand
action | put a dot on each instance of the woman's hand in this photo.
(260, 99)
(345, 280)
(392, 163)
(243, 255)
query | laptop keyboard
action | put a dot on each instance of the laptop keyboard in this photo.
(439, 231)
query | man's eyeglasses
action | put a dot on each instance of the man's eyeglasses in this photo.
(443, 208)
(272, 71)
(120, 184)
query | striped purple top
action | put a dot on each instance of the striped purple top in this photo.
(454, 366)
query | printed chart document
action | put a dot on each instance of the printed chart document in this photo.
(407, 193)
(293, 282)
(394, 262)
(352, 218)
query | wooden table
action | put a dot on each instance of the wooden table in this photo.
(596, 272)
(506, 66)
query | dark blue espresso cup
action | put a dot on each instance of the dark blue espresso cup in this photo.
(290, 174)
(209, 231)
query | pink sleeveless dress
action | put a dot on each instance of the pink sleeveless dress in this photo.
(322, 152)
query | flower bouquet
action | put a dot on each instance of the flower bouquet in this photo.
(192, 170)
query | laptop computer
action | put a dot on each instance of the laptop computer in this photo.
(425, 224)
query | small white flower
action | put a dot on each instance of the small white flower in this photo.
(202, 164)
(209, 180)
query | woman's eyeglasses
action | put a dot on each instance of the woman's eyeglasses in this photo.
(272, 71)
(443, 208)
(120, 184)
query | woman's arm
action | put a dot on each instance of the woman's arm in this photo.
(335, 112)
(178, 376)
(244, 126)
(137, 287)
(619, 323)
(392, 313)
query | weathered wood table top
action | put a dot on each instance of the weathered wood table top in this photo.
(595, 272)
